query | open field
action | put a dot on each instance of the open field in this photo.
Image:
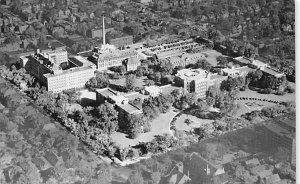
(181, 125)
(140, 82)
(159, 126)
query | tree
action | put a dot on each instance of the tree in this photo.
(149, 82)
(222, 61)
(122, 69)
(203, 64)
(139, 71)
(177, 94)
(107, 118)
(130, 82)
(166, 80)
(232, 83)
(253, 78)
(134, 124)
(30, 32)
(100, 81)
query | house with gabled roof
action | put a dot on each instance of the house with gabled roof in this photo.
(201, 169)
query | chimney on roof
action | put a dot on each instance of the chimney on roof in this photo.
(103, 29)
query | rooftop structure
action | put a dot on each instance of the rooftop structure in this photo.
(273, 72)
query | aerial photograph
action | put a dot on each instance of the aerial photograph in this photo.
(147, 92)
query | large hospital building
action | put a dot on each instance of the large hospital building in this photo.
(56, 71)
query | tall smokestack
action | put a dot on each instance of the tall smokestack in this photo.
(103, 29)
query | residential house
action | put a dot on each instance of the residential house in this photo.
(38, 162)
(200, 169)
(176, 176)
(51, 158)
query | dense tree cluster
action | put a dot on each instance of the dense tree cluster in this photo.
(268, 83)
(233, 83)
(101, 80)
(158, 145)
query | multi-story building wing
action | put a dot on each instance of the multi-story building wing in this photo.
(70, 79)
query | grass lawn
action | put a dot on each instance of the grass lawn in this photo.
(140, 82)
(181, 125)
(159, 126)
(212, 56)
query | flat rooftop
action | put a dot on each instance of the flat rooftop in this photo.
(244, 69)
(106, 92)
(130, 108)
(81, 61)
(71, 70)
(272, 72)
(243, 60)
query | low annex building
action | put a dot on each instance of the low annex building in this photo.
(122, 104)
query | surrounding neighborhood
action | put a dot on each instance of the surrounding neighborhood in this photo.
(188, 91)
